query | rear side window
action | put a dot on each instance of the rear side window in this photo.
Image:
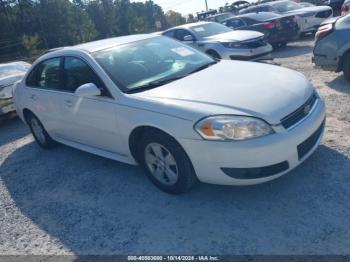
(46, 75)
(235, 23)
(264, 9)
(250, 21)
(169, 34)
(77, 73)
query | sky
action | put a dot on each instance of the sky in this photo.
(189, 6)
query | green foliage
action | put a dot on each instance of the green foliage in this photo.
(30, 44)
(31, 25)
(174, 18)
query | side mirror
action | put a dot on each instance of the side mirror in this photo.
(88, 90)
(188, 38)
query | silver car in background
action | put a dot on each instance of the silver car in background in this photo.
(222, 42)
(332, 45)
(10, 74)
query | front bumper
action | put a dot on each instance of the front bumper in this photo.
(276, 153)
(247, 54)
(6, 106)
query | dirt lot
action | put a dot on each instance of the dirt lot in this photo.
(65, 201)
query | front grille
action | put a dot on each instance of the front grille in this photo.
(300, 113)
(247, 58)
(324, 14)
(254, 43)
(309, 143)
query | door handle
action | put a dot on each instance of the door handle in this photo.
(68, 103)
(34, 97)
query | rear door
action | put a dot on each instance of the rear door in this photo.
(42, 82)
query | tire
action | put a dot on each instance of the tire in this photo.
(283, 44)
(39, 133)
(213, 54)
(346, 66)
(166, 163)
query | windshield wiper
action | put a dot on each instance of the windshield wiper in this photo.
(155, 83)
(203, 67)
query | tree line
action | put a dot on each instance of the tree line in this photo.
(28, 27)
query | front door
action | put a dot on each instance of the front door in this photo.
(88, 121)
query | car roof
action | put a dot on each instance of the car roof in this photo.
(187, 26)
(224, 13)
(110, 42)
(261, 16)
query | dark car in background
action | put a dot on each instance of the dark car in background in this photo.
(278, 29)
(218, 18)
(335, 5)
(345, 9)
(332, 46)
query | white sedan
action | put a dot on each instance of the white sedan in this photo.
(10, 73)
(179, 113)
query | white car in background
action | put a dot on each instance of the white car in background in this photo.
(10, 73)
(309, 18)
(176, 111)
(222, 42)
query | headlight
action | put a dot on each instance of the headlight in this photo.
(232, 128)
(232, 45)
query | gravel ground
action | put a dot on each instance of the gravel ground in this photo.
(65, 201)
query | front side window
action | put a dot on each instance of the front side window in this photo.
(210, 29)
(46, 75)
(77, 73)
(181, 33)
(150, 63)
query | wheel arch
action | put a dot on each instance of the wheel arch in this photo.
(26, 113)
(342, 58)
(138, 133)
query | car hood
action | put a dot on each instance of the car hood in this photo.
(7, 84)
(229, 87)
(311, 9)
(235, 36)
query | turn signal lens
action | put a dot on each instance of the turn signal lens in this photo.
(323, 31)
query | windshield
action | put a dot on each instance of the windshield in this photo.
(210, 29)
(286, 6)
(150, 63)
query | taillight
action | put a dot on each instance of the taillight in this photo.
(323, 31)
(273, 24)
(344, 9)
(269, 25)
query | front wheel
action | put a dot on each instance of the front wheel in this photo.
(40, 134)
(166, 163)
